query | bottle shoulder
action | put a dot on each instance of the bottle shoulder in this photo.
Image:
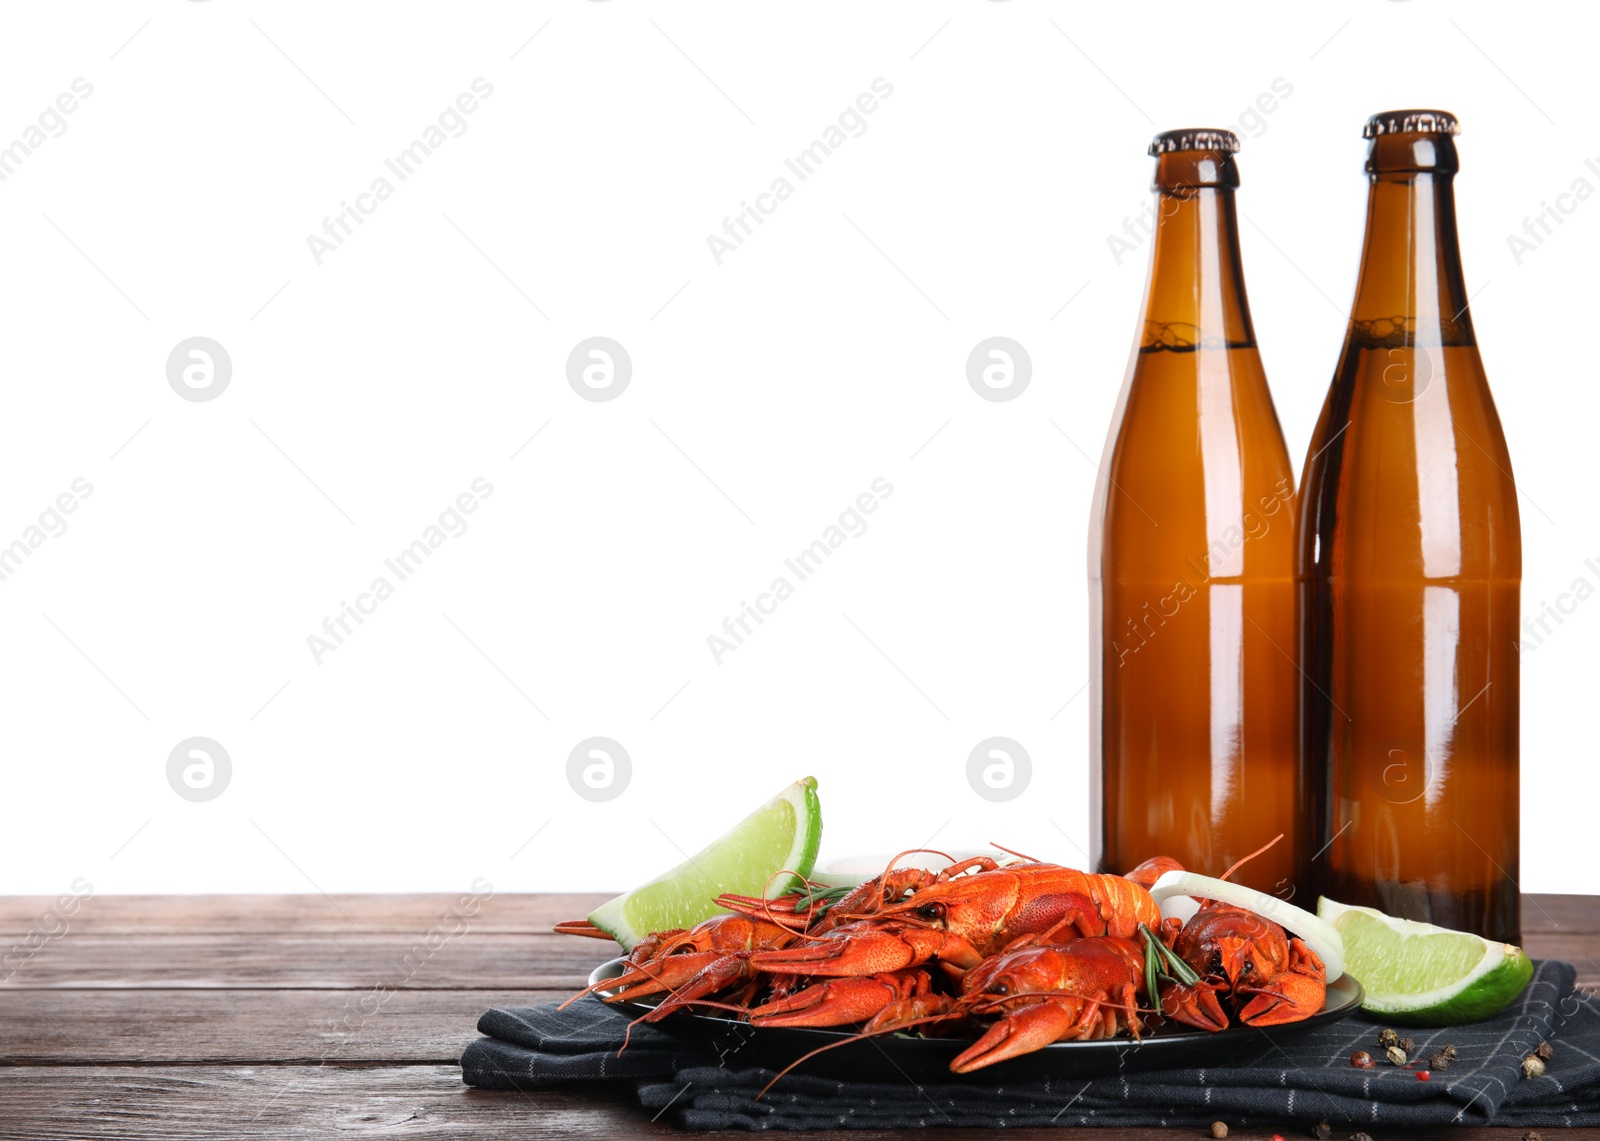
(1408, 474)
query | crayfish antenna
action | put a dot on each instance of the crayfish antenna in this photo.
(782, 872)
(628, 1033)
(584, 993)
(603, 983)
(1237, 864)
(859, 1036)
(766, 900)
(898, 856)
(1014, 852)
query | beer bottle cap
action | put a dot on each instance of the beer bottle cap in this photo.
(1412, 122)
(1195, 139)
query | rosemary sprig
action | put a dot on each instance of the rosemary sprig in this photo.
(1152, 961)
(1182, 971)
(1170, 965)
(811, 896)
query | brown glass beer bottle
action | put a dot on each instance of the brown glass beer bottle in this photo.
(1194, 752)
(1410, 561)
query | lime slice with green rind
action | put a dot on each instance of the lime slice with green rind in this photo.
(1416, 974)
(783, 835)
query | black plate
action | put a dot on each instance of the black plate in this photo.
(892, 1057)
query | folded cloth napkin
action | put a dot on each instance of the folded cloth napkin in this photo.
(1305, 1078)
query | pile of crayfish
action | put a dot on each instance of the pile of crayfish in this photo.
(1023, 954)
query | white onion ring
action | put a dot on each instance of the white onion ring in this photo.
(1320, 935)
(1180, 907)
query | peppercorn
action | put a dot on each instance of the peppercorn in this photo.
(1219, 1129)
(1545, 1051)
(1395, 1055)
(1322, 1131)
(1387, 1037)
(1532, 1135)
(1424, 1076)
(1409, 1045)
(1449, 1052)
(1362, 1060)
(1438, 1062)
(1533, 1066)
(1360, 1137)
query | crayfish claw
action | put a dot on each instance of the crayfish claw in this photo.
(836, 1002)
(1031, 1028)
(1195, 1005)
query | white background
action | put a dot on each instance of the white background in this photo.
(767, 393)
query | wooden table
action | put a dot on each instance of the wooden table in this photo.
(303, 1016)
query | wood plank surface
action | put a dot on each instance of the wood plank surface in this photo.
(1570, 914)
(417, 1102)
(473, 960)
(504, 912)
(90, 1027)
(310, 1016)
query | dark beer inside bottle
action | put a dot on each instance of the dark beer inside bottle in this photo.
(1192, 562)
(1412, 563)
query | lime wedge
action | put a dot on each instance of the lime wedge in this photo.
(1417, 974)
(782, 835)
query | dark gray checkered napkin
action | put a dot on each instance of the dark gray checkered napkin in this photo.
(1308, 1078)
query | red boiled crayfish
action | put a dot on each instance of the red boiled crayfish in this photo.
(1033, 953)
(1082, 989)
(962, 920)
(1267, 977)
(711, 957)
(717, 953)
(1088, 988)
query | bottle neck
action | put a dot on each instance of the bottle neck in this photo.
(1410, 289)
(1196, 296)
